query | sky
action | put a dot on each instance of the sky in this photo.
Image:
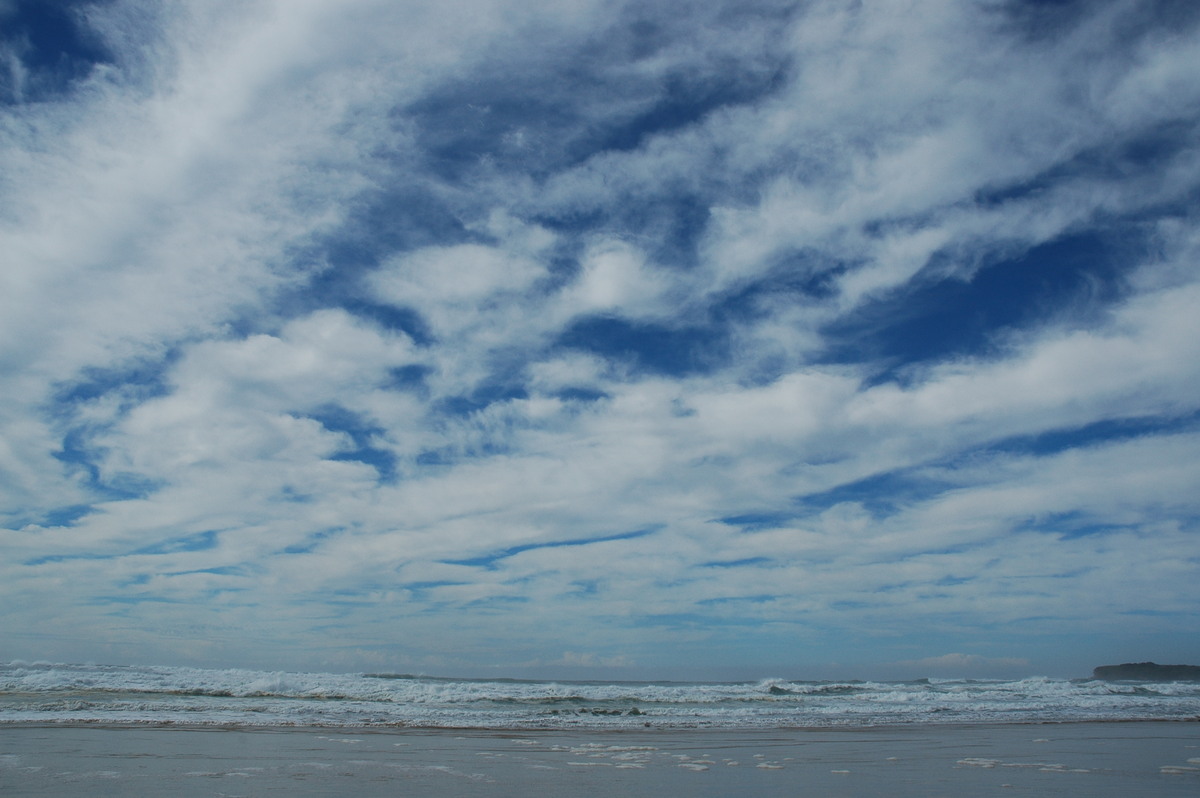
(656, 339)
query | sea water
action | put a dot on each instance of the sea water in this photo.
(123, 694)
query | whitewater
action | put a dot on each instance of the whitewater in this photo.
(42, 692)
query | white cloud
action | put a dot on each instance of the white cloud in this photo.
(196, 212)
(617, 280)
(452, 285)
(591, 660)
(1141, 364)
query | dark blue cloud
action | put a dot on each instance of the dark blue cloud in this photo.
(487, 393)
(750, 522)
(1149, 149)
(1073, 279)
(539, 114)
(66, 516)
(53, 558)
(581, 395)
(242, 569)
(409, 378)
(389, 317)
(1098, 432)
(200, 541)
(1071, 525)
(881, 494)
(400, 215)
(889, 491)
(130, 385)
(748, 561)
(499, 604)
(54, 48)
(650, 347)
(83, 457)
(312, 542)
(761, 598)
(431, 585)
(1043, 20)
(363, 436)
(134, 383)
(550, 110)
(692, 620)
(135, 600)
(679, 99)
(668, 223)
(490, 560)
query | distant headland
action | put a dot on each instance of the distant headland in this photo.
(1147, 672)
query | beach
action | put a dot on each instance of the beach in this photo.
(1094, 759)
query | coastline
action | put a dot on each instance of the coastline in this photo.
(1115, 758)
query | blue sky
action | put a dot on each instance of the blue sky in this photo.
(655, 339)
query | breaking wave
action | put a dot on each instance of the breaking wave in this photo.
(44, 692)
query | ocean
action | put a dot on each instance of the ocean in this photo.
(42, 692)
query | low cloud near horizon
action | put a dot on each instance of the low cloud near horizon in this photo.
(967, 665)
(645, 339)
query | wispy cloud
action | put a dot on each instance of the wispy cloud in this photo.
(459, 336)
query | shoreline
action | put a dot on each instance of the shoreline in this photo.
(1084, 757)
(646, 727)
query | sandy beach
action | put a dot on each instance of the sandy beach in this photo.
(1095, 759)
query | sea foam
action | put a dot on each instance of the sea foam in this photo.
(58, 692)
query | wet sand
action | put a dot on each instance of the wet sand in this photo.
(1094, 759)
